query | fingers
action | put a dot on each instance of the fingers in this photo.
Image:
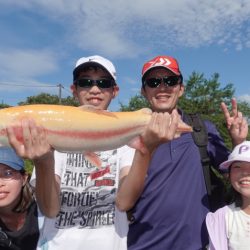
(28, 139)
(14, 134)
(237, 121)
(225, 110)
(163, 125)
(234, 107)
(232, 118)
(161, 128)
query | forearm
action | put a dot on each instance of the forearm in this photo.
(132, 185)
(47, 187)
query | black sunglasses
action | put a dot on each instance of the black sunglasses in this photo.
(169, 81)
(100, 83)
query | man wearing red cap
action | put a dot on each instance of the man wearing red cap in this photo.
(168, 198)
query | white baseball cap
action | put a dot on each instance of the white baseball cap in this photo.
(99, 60)
(240, 153)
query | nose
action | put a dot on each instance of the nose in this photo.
(163, 85)
(246, 171)
(95, 89)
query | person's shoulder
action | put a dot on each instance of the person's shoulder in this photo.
(219, 213)
(216, 226)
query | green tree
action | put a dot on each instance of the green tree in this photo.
(45, 98)
(205, 95)
(3, 105)
(28, 165)
(136, 102)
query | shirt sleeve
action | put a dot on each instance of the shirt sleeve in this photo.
(60, 159)
(216, 226)
(33, 178)
(126, 156)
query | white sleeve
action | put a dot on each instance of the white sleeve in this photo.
(126, 156)
(33, 178)
(216, 226)
(60, 161)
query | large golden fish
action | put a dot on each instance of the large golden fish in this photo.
(81, 129)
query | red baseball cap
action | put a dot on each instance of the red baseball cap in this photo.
(167, 62)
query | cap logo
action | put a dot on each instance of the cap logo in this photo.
(243, 148)
(160, 61)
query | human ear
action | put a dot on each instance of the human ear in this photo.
(73, 90)
(115, 91)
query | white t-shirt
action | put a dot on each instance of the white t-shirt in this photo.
(88, 218)
(238, 228)
(229, 229)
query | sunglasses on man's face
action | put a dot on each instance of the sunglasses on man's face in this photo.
(169, 81)
(100, 83)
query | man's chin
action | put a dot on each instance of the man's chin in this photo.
(162, 108)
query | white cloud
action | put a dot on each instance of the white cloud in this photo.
(17, 64)
(244, 98)
(123, 28)
(136, 90)
(129, 81)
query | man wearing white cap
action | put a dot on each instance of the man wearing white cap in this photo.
(86, 217)
(229, 227)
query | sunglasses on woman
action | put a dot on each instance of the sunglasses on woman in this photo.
(169, 81)
(100, 83)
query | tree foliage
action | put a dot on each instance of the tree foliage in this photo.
(3, 105)
(202, 96)
(205, 95)
(45, 98)
(136, 102)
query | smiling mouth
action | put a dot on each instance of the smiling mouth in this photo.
(94, 99)
(245, 182)
(162, 97)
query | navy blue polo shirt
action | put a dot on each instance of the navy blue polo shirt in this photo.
(170, 214)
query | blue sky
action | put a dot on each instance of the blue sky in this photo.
(41, 41)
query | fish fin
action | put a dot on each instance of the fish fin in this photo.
(93, 158)
(137, 143)
(90, 108)
(183, 127)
